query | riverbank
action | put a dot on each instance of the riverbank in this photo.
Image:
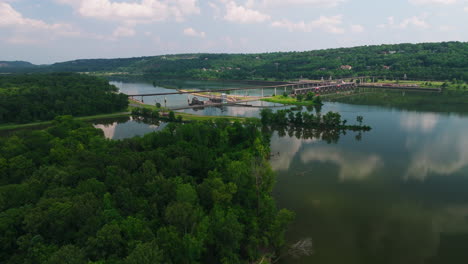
(448, 101)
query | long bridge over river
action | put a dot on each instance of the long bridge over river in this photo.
(293, 89)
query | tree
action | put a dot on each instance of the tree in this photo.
(145, 253)
(300, 97)
(172, 117)
(359, 119)
(68, 254)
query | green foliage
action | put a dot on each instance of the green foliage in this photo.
(193, 193)
(39, 97)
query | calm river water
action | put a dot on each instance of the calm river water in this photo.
(397, 194)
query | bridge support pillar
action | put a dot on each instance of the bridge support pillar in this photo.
(275, 91)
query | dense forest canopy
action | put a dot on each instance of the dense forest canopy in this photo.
(193, 193)
(37, 97)
(427, 61)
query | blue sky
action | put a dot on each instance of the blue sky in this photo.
(47, 31)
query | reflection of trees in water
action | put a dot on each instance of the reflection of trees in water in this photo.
(146, 120)
(111, 121)
(327, 135)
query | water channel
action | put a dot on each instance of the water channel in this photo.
(396, 194)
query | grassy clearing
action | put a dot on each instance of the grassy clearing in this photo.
(280, 99)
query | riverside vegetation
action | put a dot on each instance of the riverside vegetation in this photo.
(192, 193)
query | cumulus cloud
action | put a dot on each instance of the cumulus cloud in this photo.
(240, 14)
(357, 28)
(11, 18)
(193, 33)
(135, 11)
(123, 31)
(414, 21)
(329, 24)
(426, 2)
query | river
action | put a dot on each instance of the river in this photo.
(396, 194)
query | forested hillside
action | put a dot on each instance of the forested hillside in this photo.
(193, 193)
(439, 61)
(427, 61)
(37, 97)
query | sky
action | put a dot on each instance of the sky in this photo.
(48, 31)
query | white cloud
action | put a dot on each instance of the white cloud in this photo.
(426, 2)
(466, 9)
(414, 21)
(123, 31)
(329, 24)
(240, 14)
(280, 3)
(11, 18)
(216, 9)
(193, 33)
(357, 28)
(135, 11)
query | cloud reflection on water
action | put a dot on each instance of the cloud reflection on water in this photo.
(287, 148)
(443, 155)
(109, 130)
(424, 122)
(352, 165)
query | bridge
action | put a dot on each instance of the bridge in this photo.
(297, 86)
(293, 88)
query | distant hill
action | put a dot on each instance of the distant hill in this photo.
(430, 61)
(16, 64)
(93, 65)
